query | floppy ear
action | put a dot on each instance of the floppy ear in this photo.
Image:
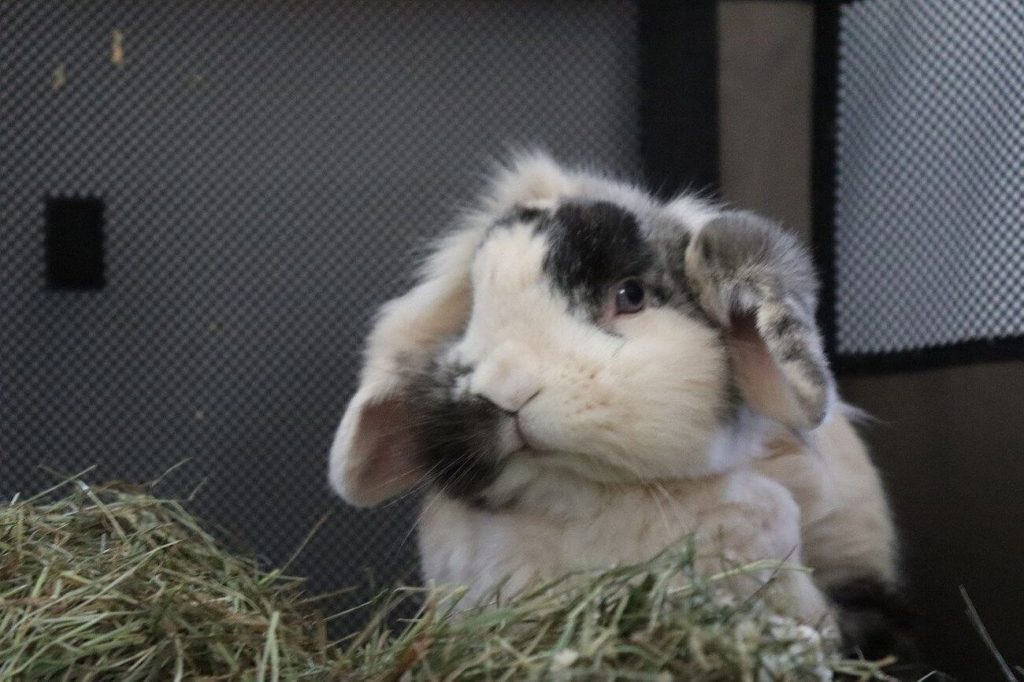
(374, 455)
(757, 282)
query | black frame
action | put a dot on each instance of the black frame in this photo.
(678, 83)
(823, 165)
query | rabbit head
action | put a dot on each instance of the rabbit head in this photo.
(577, 324)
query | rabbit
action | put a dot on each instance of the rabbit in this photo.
(584, 375)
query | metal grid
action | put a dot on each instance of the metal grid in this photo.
(929, 234)
(268, 170)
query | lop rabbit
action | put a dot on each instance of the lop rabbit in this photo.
(584, 375)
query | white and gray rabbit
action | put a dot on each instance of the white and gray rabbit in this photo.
(584, 375)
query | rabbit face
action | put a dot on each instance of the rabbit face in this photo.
(577, 354)
(580, 325)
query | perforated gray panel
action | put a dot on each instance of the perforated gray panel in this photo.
(930, 218)
(268, 170)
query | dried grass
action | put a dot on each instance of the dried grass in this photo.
(113, 583)
(109, 583)
(637, 622)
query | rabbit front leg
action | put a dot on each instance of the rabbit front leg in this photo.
(760, 521)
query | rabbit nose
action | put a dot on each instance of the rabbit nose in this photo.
(508, 386)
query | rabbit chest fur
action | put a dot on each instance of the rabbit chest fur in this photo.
(561, 526)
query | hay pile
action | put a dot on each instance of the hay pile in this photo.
(109, 583)
(116, 584)
(629, 623)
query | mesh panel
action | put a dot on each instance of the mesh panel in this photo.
(930, 223)
(267, 171)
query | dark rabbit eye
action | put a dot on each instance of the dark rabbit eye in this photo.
(629, 297)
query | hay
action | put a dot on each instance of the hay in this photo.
(637, 622)
(109, 583)
(117, 584)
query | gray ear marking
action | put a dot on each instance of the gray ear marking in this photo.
(756, 281)
(793, 341)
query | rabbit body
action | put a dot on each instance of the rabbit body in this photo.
(585, 375)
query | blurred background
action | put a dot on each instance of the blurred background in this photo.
(202, 204)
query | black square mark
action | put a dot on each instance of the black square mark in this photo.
(74, 243)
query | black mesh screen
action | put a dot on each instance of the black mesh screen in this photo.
(929, 216)
(266, 171)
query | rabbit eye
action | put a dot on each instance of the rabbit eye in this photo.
(629, 297)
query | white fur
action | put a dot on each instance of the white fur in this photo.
(627, 451)
(644, 404)
(846, 524)
(567, 524)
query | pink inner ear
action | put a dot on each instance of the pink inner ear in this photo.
(380, 454)
(760, 379)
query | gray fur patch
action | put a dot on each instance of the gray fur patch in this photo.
(455, 435)
(591, 247)
(523, 214)
(749, 265)
(875, 619)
